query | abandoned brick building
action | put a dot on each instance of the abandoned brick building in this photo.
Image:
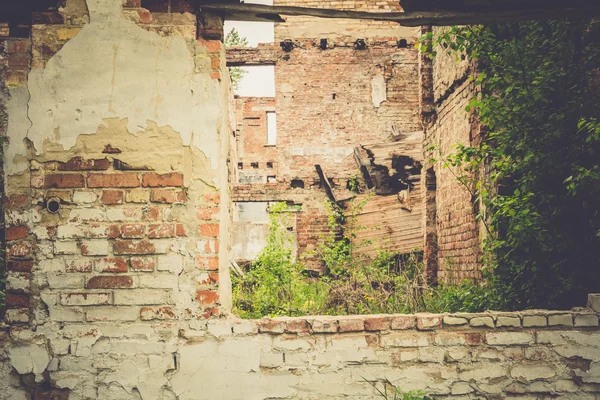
(129, 165)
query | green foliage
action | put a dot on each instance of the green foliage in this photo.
(274, 284)
(535, 175)
(233, 39)
(394, 393)
(352, 284)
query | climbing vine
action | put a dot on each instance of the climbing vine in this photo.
(535, 171)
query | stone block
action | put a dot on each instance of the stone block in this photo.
(509, 338)
(586, 320)
(508, 322)
(534, 321)
(560, 320)
(480, 322)
(454, 321)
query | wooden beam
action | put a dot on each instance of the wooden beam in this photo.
(464, 16)
(326, 184)
(363, 168)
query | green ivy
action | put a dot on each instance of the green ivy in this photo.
(535, 174)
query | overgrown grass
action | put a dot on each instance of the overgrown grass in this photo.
(353, 283)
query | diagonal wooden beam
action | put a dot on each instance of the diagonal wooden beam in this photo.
(463, 16)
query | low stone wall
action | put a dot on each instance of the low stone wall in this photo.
(526, 355)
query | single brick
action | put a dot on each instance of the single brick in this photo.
(560, 319)
(17, 316)
(17, 300)
(271, 326)
(297, 326)
(377, 324)
(480, 322)
(64, 181)
(131, 231)
(79, 265)
(324, 326)
(351, 324)
(18, 46)
(112, 313)
(508, 322)
(156, 231)
(207, 214)
(84, 298)
(209, 230)
(110, 197)
(134, 248)
(534, 320)
(95, 247)
(403, 322)
(167, 196)
(586, 320)
(111, 264)
(159, 313)
(207, 296)
(156, 180)
(454, 321)
(214, 198)
(79, 164)
(207, 263)
(138, 196)
(19, 266)
(110, 282)
(18, 250)
(143, 264)
(17, 232)
(428, 322)
(180, 230)
(113, 180)
(508, 338)
(150, 214)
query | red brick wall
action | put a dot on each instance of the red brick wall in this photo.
(129, 242)
(451, 226)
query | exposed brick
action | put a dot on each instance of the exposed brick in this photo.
(212, 46)
(213, 198)
(429, 322)
(17, 201)
(207, 296)
(150, 214)
(145, 16)
(79, 164)
(143, 264)
(207, 263)
(110, 197)
(110, 282)
(351, 324)
(271, 326)
(156, 231)
(158, 313)
(377, 324)
(19, 266)
(113, 180)
(180, 230)
(209, 230)
(18, 46)
(17, 300)
(18, 250)
(156, 180)
(111, 264)
(18, 61)
(167, 196)
(79, 265)
(207, 214)
(133, 247)
(64, 181)
(17, 232)
(84, 298)
(403, 322)
(130, 231)
(297, 326)
(132, 3)
(47, 18)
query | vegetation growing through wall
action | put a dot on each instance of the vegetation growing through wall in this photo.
(233, 39)
(535, 174)
(352, 284)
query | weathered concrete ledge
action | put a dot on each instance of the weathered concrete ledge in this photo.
(530, 354)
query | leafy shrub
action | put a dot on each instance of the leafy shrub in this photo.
(352, 284)
(536, 171)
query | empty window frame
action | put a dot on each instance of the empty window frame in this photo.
(271, 129)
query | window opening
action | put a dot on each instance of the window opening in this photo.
(271, 129)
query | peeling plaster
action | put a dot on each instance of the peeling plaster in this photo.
(113, 68)
(378, 90)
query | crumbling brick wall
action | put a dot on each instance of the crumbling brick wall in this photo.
(330, 98)
(452, 238)
(116, 190)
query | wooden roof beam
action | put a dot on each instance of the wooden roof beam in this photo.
(463, 16)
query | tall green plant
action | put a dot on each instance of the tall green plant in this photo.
(540, 151)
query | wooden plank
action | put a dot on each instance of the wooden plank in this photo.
(363, 168)
(326, 184)
(528, 10)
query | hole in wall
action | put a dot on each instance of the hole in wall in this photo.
(297, 184)
(402, 43)
(271, 179)
(240, 165)
(270, 164)
(53, 205)
(254, 165)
